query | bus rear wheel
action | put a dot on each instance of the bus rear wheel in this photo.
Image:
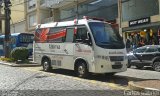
(81, 69)
(46, 65)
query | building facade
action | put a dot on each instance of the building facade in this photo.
(35, 12)
(45, 11)
(106, 9)
(140, 19)
(141, 22)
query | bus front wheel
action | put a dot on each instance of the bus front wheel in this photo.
(81, 69)
(46, 65)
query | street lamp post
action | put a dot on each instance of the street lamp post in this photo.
(7, 27)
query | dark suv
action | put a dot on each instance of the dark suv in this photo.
(148, 55)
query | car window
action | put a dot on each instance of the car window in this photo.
(158, 49)
(140, 50)
(151, 49)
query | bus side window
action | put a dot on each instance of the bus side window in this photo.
(56, 35)
(70, 35)
(81, 35)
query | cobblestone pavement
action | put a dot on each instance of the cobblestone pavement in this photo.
(32, 80)
(20, 81)
(122, 79)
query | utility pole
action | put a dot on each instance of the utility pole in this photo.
(1, 16)
(7, 4)
(120, 16)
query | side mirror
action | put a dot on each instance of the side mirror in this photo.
(87, 41)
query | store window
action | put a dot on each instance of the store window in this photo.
(142, 37)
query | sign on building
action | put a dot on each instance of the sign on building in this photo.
(139, 21)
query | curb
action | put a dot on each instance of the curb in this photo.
(134, 86)
(19, 65)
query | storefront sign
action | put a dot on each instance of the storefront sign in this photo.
(139, 22)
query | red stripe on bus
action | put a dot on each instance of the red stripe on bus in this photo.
(44, 34)
(57, 35)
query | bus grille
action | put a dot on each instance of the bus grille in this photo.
(117, 66)
(116, 58)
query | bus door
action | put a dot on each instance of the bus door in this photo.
(83, 45)
(68, 49)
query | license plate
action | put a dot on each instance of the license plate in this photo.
(117, 63)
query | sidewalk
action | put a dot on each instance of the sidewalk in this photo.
(146, 85)
(31, 64)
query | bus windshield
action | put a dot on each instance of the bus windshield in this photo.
(105, 36)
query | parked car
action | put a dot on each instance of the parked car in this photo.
(148, 55)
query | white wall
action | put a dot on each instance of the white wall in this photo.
(44, 14)
(18, 27)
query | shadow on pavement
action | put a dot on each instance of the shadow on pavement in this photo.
(145, 68)
(120, 80)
